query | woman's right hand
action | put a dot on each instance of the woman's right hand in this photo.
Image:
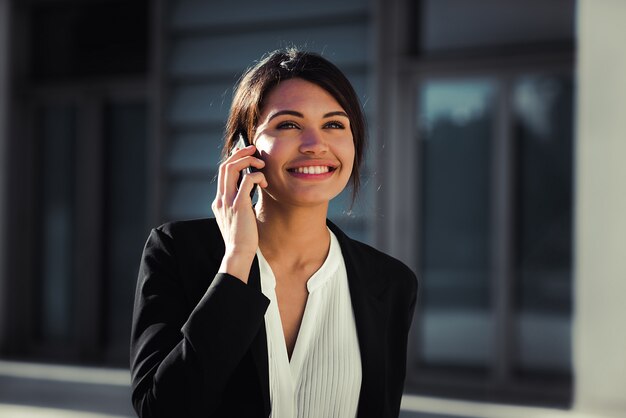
(234, 212)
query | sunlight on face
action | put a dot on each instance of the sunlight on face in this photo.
(305, 139)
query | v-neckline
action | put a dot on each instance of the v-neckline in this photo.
(305, 331)
(269, 279)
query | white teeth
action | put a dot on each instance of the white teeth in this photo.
(317, 169)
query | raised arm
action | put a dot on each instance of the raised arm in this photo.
(183, 355)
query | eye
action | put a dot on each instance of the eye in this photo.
(287, 125)
(333, 124)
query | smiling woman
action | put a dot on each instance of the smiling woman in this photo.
(255, 90)
(272, 310)
(304, 138)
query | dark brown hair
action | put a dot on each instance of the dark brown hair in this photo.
(257, 81)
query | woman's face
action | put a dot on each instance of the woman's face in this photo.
(305, 139)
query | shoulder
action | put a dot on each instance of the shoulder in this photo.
(374, 262)
(187, 252)
(190, 229)
(188, 237)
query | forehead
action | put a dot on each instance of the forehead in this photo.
(297, 93)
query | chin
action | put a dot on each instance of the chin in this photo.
(309, 198)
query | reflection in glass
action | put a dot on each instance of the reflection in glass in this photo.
(190, 197)
(543, 137)
(449, 25)
(57, 144)
(194, 151)
(125, 144)
(455, 125)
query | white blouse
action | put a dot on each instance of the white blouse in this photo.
(323, 378)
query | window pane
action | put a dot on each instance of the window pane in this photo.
(93, 38)
(543, 135)
(194, 13)
(125, 143)
(190, 197)
(57, 139)
(197, 104)
(343, 43)
(455, 125)
(195, 151)
(461, 24)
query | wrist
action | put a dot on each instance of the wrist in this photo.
(237, 263)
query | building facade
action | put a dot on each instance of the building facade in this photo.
(481, 174)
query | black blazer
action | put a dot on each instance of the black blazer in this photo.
(198, 343)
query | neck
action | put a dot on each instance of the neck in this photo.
(295, 233)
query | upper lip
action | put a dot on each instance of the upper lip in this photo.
(312, 163)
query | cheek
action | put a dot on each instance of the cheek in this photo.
(270, 151)
(263, 144)
(348, 152)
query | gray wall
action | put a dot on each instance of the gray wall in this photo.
(600, 334)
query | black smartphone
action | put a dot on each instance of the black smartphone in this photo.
(242, 142)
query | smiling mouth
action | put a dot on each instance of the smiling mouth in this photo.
(314, 169)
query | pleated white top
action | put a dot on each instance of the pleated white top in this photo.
(323, 378)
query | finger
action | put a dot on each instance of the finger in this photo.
(248, 182)
(240, 153)
(245, 162)
(236, 155)
(221, 178)
(233, 171)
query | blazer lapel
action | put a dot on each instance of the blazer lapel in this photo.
(370, 316)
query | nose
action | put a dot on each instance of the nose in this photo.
(313, 142)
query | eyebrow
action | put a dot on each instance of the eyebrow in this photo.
(300, 115)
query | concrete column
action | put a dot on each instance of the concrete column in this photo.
(600, 283)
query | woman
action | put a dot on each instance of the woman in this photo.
(273, 310)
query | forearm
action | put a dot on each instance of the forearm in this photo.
(192, 367)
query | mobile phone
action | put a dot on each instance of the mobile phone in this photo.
(242, 142)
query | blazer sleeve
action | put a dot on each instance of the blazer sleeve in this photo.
(181, 355)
